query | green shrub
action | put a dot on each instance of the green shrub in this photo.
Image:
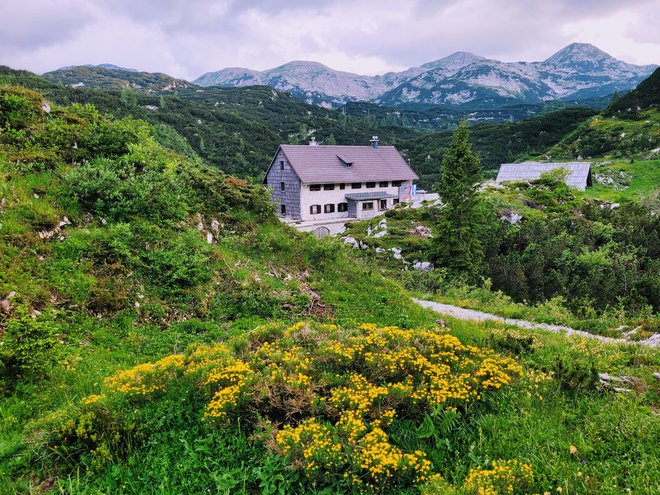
(38, 214)
(122, 189)
(111, 139)
(575, 375)
(19, 107)
(319, 252)
(29, 342)
(179, 263)
(511, 341)
(110, 244)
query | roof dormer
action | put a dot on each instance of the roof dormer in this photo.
(345, 161)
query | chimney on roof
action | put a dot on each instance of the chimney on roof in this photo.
(374, 142)
(313, 142)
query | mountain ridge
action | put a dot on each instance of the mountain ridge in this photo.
(577, 73)
(578, 70)
(102, 66)
(109, 76)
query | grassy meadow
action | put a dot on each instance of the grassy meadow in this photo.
(161, 332)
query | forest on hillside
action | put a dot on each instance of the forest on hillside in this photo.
(238, 129)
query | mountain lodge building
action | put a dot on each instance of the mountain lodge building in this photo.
(319, 182)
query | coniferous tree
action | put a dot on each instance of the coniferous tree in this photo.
(458, 247)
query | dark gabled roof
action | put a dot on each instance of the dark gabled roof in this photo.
(578, 172)
(369, 195)
(335, 164)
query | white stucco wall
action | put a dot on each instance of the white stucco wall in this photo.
(309, 198)
(322, 197)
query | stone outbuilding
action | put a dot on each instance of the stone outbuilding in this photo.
(578, 173)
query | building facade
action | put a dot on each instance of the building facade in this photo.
(319, 182)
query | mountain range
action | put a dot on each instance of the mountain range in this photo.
(578, 71)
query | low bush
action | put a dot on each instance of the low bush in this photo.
(28, 345)
(19, 107)
(324, 398)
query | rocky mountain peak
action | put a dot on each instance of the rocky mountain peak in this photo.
(456, 60)
(577, 54)
(298, 65)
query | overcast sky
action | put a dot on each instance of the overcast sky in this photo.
(187, 38)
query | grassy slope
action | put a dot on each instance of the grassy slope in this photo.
(637, 180)
(537, 421)
(110, 303)
(87, 280)
(613, 137)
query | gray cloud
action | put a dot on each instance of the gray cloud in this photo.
(31, 25)
(187, 38)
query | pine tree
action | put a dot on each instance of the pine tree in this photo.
(457, 246)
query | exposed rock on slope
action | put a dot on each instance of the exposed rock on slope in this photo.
(579, 71)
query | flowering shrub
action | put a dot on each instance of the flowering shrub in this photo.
(145, 378)
(329, 395)
(505, 478)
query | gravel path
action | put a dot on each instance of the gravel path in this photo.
(472, 315)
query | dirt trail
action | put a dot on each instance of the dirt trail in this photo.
(472, 315)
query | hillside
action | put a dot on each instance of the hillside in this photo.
(643, 97)
(495, 143)
(114, 250)
(612, 137)
(162, 332)
(235, 130)
(431, 118)
(109, 76)
(551, 254)
(628, 127)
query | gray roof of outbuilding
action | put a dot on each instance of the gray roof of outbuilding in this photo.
(578, 172)
(323, 164)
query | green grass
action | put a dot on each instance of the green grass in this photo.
(540, 424)
(637, 180)
(129, 282)
(533, 421)
(611, 323)
(610, 137)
